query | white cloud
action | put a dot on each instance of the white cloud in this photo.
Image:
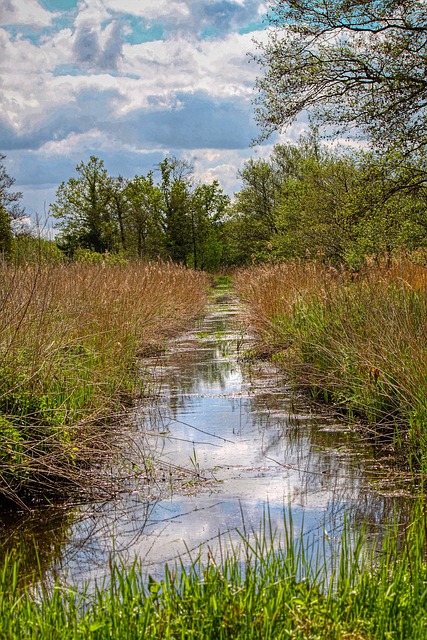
(138, 102)
(183, 65)
(76, 142)
(160, 71)
(92, 12)
(151, 9)
(14, 12)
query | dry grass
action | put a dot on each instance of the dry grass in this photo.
(69, 336)
(359, 342)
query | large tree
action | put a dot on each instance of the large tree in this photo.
(176, 185)
(143, 223)
(84, 207)
(354, 65)
(11, 212)
(207, 210)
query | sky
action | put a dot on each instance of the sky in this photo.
(131, 82)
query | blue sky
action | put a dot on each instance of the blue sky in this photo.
(130, 81)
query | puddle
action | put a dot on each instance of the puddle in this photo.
(232, 443)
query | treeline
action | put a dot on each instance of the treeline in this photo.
(341, 206)
(306, 200)
(171, 218)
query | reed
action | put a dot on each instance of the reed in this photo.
(356, 341)
(258, 591)
(69, 340)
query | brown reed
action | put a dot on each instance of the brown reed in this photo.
(69, 339)
(358, 341)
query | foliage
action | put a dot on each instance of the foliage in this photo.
(144, 217)
(6, 235)
(310, 200)
(360, 343)
(27, 249)
(69, 339)
(208, 206)
(173, 219)
(276, 592)
(83, 207)
(11, 213)
(350, 64)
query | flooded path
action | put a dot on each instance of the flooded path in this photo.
(232, 443)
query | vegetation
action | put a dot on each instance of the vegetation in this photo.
(351, 65)
(355, 68)
(173, 218)
(357, 342)
(308, 200)
(69, 338)
(11, 213)
(276, 594)
(305, 200)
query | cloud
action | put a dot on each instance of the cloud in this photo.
(182, 65)
(113, 48)
(84, 85)
(14, 12)
(198, 121)
(94, 12)
(93, 54)
(165, 10)
(226, 16)
(86, 46)
(194, 17)
(88, 109)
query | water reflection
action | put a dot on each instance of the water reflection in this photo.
(243, 444)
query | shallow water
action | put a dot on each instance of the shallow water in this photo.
(233, 443)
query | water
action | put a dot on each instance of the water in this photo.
(230, 442)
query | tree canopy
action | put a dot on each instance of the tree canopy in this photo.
(352, 64)
(11, 212)
(172, 218)
(308, 200)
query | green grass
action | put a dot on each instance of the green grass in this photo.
(271, 594)
(224, 281)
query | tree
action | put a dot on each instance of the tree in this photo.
(143, 223)
(84, 207)
(119, 205)
(313, 213)
(11, 212)
(254, 210)
(6, 236)
(388, 203)
(350, 63)
(175, 186)
(207, 208)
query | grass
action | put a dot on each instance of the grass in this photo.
(70, 337)
(356, 341)
(257, 593)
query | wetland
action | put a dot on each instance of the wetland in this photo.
(220, 445)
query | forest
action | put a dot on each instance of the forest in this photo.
(308, 199)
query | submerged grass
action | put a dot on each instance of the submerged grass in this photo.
(357, 341)
(69, 340)
(272, 594)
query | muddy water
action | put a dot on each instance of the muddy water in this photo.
(230, 442)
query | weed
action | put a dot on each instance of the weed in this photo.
(69, 339)
(359, 343)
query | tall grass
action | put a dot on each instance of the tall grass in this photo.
(69, 340)
(257, 593)
(359, 342)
